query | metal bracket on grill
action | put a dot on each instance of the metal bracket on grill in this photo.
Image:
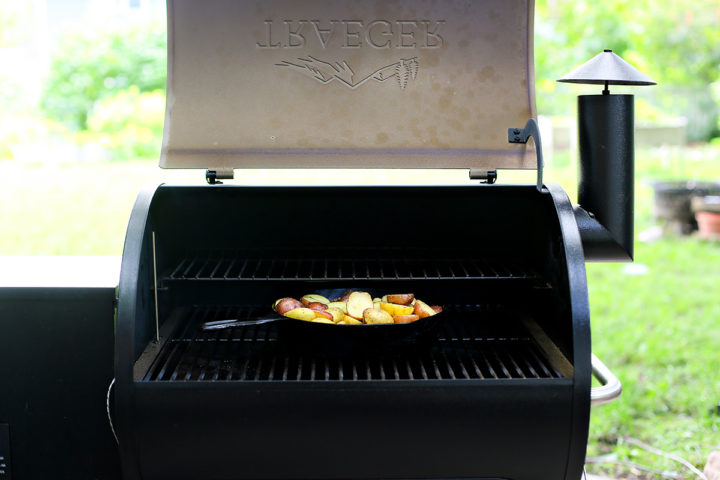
(485, 176)
(521, 135)
(213, 176)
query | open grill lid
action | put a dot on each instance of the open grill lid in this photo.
(347, 83)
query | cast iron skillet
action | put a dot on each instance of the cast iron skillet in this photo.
(324, 337)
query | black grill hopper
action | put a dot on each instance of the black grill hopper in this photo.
(498, 388)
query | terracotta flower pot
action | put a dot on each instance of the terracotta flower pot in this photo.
(708, 224)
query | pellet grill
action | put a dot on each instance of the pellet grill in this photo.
(502, 388)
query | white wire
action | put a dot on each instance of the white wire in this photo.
(656, 451)
(107, 409)
(671, 456)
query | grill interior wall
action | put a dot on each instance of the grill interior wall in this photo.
(450, 245)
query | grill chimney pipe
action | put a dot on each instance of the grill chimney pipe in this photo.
(607, 158)
(606, 185)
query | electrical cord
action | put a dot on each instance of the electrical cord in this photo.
(671, 456)
(634, 466)
(107, 409)
(656, 451)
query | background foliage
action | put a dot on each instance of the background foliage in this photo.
(676, 43)
(93, 64)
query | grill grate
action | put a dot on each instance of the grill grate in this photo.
(341, 264)
(464, 349)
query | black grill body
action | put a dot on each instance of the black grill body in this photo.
(501, 390)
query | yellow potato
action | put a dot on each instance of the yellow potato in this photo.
(348, 320)
(394, 309)
(322, 314)
(322, 320)
(337, 314)
(357, 303)
(341, 305)
(377, 315)
(301, 314)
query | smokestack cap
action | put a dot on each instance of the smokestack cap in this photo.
(607, 68)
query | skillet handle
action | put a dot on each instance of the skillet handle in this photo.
(611, 387)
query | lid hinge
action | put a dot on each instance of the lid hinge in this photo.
(485, 176)
(213, 176)
(522, 135)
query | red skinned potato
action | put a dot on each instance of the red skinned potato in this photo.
(401, 298)
(405, 318)
(317, 306)
(286, 304)
(422, 309)
(313, 298)
(437, 308)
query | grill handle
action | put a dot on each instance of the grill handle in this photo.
(611, 387)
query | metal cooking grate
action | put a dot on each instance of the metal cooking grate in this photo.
(387, 264)
(465, 349)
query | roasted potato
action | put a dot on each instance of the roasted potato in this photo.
(314, 298)
(323, 314)
(346, 296)
(401, 298)
(341, 305)
(337, 314)
(405, 318)
(357, 303)
(376, 315)
(322, 320)
(301, 313)
(286, 304)
(348, 320)
(422, 309)
(394, 309)
(317, 306)
(356, 307)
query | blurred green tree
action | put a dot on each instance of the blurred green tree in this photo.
(93, 64)
(676, 43)
(127, 125)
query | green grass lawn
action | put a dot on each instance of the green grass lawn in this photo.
(659, 332)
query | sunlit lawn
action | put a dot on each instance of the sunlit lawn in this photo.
(659, 331)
